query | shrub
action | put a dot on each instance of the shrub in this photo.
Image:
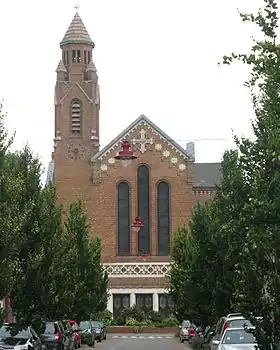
(104, 316)
(154, 316)
(170, 321)
(130, 321)
(135, 312)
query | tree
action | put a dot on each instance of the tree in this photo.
(258, 283)
(80, 280)
(32, 296)
(7, 227)
(202, 284)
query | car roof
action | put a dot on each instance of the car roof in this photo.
(237, 329)
(15, 324)
(236, 318)
(234, 314)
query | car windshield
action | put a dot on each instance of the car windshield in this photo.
(238, 336)
(51, 328)
(14, 331)
(239, 323)
(186, 324)
(96, 324)
(84, 325)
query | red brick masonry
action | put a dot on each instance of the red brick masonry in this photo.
(129, 329)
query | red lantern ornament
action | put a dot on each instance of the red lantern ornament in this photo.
(138, 223)
(126, 155)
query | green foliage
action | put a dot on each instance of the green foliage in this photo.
(170, 321)
(52, 269)
(105, 316)
(136, 316)
(229, 260)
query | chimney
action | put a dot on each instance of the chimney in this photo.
(190, 149)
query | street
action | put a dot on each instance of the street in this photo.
(139, 342)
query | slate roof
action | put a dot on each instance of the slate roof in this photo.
(207, 174)
(77, 33)
(61, 67)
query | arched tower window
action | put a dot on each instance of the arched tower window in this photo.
(163, 217)
(76, 117)
(124, 226)
(143, 188)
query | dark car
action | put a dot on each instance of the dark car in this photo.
(19, 337)
(55, 337)
(100, 330)
(87, 333)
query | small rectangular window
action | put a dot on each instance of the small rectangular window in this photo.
(79, 57)
(67, 57)
(74, 56)
(63, 57)
(85, 57)
(89, 58)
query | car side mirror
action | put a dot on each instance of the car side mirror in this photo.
(199, 330)
(215, 342)
(180, 326)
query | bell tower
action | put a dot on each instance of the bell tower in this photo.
(77, 104)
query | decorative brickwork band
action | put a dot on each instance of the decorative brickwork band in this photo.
(137, 269)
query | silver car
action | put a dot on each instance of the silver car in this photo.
(237, 339)
(184, 330)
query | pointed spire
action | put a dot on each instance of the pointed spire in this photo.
(91, 67)
(61, 67)
(77, 33)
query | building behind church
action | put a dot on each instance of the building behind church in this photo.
(160, 186)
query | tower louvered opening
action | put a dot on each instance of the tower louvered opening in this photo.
(76, 118)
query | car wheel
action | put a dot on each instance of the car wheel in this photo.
(93, 344)
(79, 344)
(182, 340)
(105, 337)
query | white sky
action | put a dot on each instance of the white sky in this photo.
(154, 57)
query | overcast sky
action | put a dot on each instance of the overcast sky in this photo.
(154, 57)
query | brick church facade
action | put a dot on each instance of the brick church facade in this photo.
(160, 186)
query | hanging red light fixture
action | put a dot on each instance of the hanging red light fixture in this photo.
(126, 155)
(138, 223)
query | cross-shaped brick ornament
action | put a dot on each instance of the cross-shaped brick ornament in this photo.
(143, 141)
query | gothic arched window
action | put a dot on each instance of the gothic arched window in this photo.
(163, 217)
(143, 189)
(124, 226)
(76, 110)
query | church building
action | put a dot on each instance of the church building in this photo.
(159, 186)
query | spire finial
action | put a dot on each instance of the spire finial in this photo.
(77, 6)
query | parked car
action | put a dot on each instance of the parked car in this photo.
(234, 320)
(55, 337)
(236, 338)
(19, 337)
(87, 333)
(77, 335)
(100, 330)
(184, 330)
